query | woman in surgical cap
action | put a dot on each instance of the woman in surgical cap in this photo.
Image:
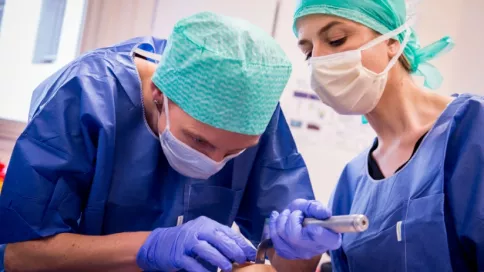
(420, 182)
(129, 163)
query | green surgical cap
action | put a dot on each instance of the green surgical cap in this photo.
(382, 16)
(224, 72)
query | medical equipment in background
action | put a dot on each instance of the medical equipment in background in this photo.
(338, 224)
(2, 175)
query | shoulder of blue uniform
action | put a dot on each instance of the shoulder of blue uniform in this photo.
(466, 102)
(359, 163)
(120, 53)
(465, 114)
(100, 66)
(108, 64)
(128, 45)
(354, 170)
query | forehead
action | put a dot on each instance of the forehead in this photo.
(314, 24)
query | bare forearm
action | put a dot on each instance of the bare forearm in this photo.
(283, 265)
(74, 252)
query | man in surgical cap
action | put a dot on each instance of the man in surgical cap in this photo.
(126, 164)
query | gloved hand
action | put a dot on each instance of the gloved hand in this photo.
(293, 241)
(171, 249)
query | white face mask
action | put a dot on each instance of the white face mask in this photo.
(343, 83)
(184, 159)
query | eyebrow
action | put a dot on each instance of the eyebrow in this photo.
(324, 29)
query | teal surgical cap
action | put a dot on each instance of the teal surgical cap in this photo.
(224, 72)
(382, 16)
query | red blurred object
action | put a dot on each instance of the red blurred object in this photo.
(2, 171)
(2, 175)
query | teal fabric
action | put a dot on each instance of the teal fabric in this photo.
(224, 72)
(382, 16)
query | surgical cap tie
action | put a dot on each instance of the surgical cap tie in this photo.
(421, 66)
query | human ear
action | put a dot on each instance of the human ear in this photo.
(393, 48)
(156, 94)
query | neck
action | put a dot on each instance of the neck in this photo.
(405, 111)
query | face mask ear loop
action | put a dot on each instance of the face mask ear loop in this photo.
(400, 51)
(406, 26)
(384, 37)
(165, 109)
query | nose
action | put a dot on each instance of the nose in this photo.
(319, 50)
(217, 155)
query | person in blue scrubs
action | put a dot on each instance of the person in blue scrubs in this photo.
(127, 164)
(421, 182)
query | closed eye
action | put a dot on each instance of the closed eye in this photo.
(337, 42)
(199, 141)
(309, 55)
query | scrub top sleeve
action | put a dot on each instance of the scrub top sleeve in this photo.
(51, 167)
(464, 185)
(279, 175)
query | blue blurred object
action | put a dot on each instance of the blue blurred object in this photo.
(2, 255)
(87, 162)
(296, 123)
(429, 215)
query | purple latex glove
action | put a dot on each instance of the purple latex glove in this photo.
(172, 249)
(293, 241)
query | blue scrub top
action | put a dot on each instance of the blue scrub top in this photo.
(428, 216)
(88, 163)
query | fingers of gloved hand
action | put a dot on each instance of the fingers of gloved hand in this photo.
(294, 227)
(191, 265)
(207, 252)
(224, 244)
(281, 247)
(298, 204)
(281, 223)
(272, 223)
(248, 250)
(322, 236)
(310, 208)
(317, 210)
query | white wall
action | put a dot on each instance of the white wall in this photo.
(260, 13)
(18, 76)
(129, 18)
